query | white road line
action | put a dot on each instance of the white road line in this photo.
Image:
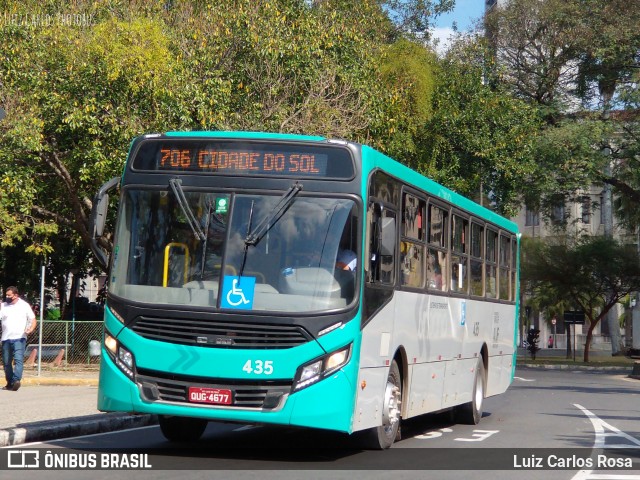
(524, 379)
(599, 426)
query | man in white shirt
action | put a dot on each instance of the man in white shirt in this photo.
(18, 321)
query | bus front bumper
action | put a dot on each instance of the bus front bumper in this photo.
(327, 404)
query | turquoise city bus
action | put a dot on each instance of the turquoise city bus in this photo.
(301, 281)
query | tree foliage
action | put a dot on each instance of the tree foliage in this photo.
(577, 60)
(480, 139)
(591, 274)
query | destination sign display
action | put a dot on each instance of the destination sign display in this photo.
(243, 158)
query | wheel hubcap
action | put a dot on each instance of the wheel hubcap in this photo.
(392, 403)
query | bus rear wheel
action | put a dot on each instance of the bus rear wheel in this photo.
(382, 437)
(471, 413)
(182, 429)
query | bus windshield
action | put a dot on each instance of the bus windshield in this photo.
(177, 247)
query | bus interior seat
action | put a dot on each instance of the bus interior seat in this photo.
(311, 281)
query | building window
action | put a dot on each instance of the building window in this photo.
(586, 210)
(532, 218)
(557, 212)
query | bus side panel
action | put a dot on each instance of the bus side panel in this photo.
(427, 387)
(443, 339)
(458, 382)
(498, 332)
(376, 353)
(370, 391)
(500, 377)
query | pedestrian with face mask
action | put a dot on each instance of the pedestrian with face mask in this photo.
(18, 321)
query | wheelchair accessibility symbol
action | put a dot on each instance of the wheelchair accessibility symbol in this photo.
(238, 292)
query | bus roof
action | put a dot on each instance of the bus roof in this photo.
(246, 135)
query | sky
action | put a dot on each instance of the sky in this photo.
(464, 14)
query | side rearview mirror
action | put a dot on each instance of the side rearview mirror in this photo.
(98, 217)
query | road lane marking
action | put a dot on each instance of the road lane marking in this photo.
(524, 379)
(479, 435)
(599, 426)
(433, 434)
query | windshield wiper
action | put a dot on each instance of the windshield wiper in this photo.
(254, 237)
(176, 186)
(206, 229)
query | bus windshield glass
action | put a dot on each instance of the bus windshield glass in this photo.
(179, 247)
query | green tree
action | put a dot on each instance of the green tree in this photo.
(480, 139)
(577, 60)
(74, 96)
(591, 273)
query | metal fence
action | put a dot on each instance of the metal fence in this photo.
(66, 341)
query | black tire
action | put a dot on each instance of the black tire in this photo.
(182, 429)
(382, 437)
(471, 413)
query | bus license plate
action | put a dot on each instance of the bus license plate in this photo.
(215, 396)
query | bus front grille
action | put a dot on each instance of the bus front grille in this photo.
(206, 333)
(159, 386)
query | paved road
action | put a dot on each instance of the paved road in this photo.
(558, 410)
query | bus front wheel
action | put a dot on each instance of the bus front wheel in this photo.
(182, 429)
(471, 413)
(382, 437)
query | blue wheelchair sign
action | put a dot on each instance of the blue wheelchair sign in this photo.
(238, 292)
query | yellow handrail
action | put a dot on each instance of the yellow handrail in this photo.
(167, 249)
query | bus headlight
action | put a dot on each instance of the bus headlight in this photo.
(122, 357)
(320, 368)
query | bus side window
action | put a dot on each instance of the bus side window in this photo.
(503, 273)
(477, 266)
(381, 244)
(491, 264)
(412, 248)
(459, 254)
(437, 264)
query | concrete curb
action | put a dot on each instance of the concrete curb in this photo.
(589, 368)
(91, 382)
(72, 426)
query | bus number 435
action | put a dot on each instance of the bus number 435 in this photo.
(258, 367)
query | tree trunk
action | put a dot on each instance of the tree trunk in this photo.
(62, 294)
(587, 343)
